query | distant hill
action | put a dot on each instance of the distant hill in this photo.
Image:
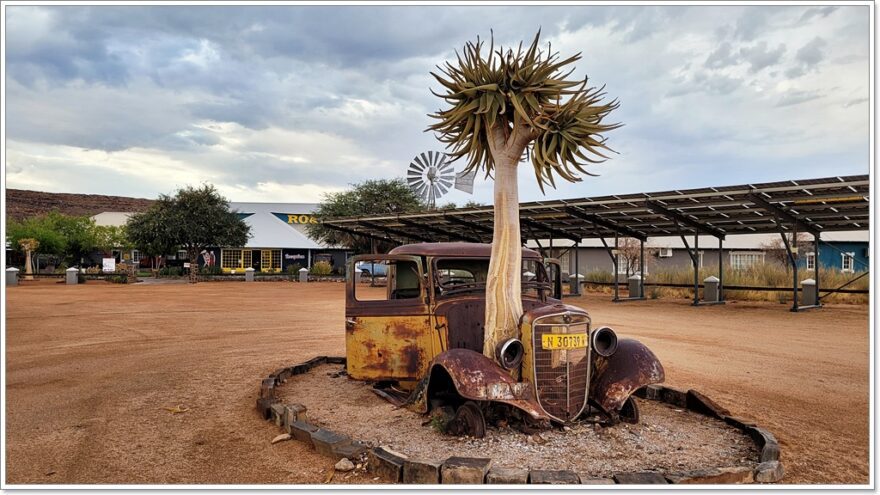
(22, 204)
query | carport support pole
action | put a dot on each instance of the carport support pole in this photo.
(816, 265)
(577, 270)
(616, 259)
(642, 267)
(720, 269)
(794, 270)
(695, 261)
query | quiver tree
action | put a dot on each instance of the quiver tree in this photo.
(499, 102)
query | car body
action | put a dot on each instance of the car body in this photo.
(420, 339)
(370, 269)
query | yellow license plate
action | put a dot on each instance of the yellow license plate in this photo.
(556, 341)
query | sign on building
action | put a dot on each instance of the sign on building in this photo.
(109, 265)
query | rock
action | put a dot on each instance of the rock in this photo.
(644, 478)
(277, 412)
(769, 472)
(302, 431)
(724, 475)
(596, 481)
(543, 477)
(352, 450)
(293, 412)
(698, 402)
(386, 463)
(507, 476)
(280, 438)
(464, 470)
(419, 471)
(325, 440)
(344, 465)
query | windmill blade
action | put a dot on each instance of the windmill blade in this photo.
(445, 182)
(442, 188)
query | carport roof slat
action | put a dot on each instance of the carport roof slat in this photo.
(833, 203)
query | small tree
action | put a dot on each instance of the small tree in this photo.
(372, 197)
(498, 103)
(776, 251)
(69, 238)
(195, 219)
(151, 233)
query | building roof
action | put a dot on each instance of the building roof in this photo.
(809, 205)
(268, 222)
(745, 241)
(111, 218)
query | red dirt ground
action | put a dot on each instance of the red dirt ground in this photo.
(90, 370)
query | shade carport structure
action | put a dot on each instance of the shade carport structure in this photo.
(788, 207)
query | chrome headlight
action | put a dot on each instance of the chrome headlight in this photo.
(510, 353)
(603, 340)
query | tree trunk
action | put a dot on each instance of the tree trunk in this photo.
(504, 281)
(193, 265)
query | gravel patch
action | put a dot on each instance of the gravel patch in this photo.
(667, 439)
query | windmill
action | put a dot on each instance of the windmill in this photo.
(430, 176)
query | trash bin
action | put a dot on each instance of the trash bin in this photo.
(809, 293)
(71, 275)
(249, 274)
(574, 283)
(303, 274)
(710, 289)
(635, 286)
(12, 276)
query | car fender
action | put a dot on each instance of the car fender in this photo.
(475, 377)
(616, 377)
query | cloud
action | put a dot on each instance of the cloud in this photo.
(818, 11)
(287, 101)
(760, 56)
(808, 57)
(797, 97)
(723, 56)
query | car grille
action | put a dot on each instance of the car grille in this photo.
(561, 376)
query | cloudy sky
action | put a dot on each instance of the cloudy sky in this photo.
(284, 103)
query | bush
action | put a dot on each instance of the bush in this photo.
(321, 269)
(211, 270)
(117, 279)
(171, 271)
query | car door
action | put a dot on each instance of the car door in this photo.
(388, 335)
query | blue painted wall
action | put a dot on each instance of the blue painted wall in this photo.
(830, 258)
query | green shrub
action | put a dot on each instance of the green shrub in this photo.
(212, 270)
(321, 269)
(171, 271)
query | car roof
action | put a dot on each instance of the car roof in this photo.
(462, 249)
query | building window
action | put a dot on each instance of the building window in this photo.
(847, 260)
(631, 268)
(136, 256)
(235, 259)
(811, 261)
(182, 255)
(742, 260)
(270, 260)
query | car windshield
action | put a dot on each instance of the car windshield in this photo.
(469, 274)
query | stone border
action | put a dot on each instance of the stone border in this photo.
(399, 468)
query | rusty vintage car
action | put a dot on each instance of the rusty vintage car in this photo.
(419, 338)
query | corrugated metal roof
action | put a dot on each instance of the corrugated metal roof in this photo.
(267, 229)
(823, 204)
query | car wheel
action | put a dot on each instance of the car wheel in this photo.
(468, 421)
(629, 413)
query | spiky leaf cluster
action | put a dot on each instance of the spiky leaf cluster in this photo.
(526, 91)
